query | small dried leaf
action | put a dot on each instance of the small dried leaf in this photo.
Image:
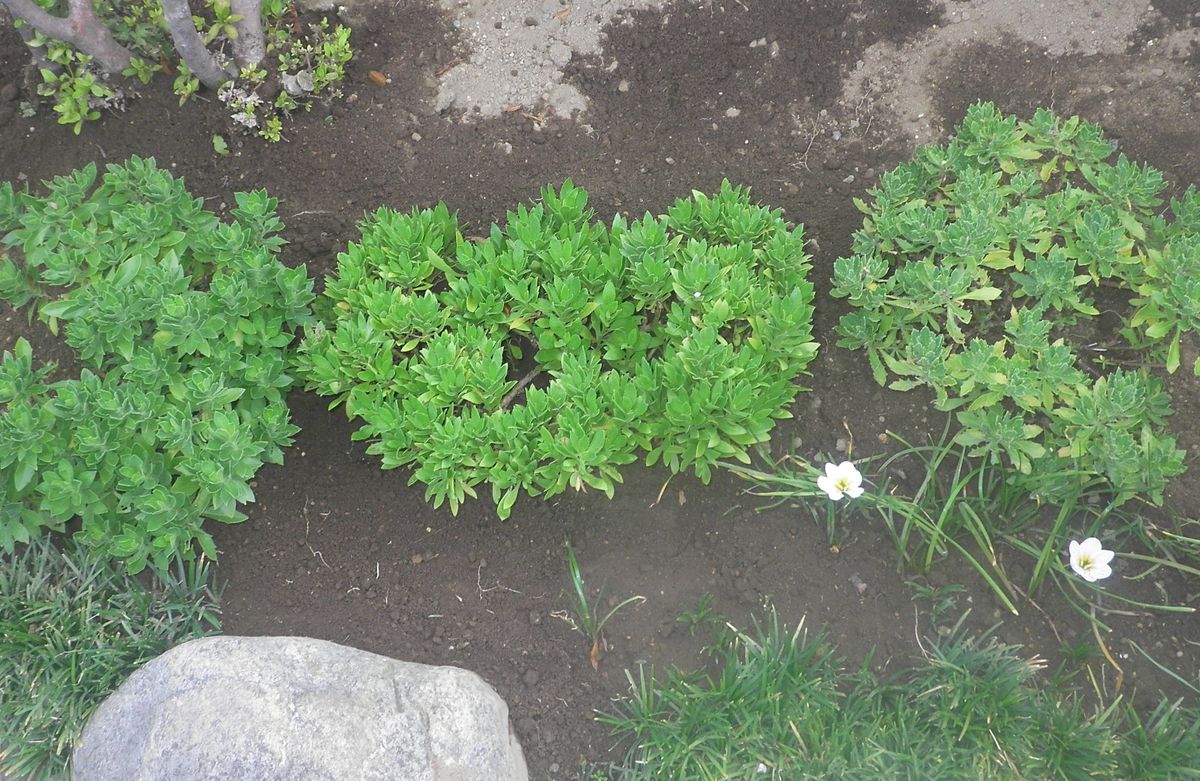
(563, 14)
(377, 78)
(682, 499)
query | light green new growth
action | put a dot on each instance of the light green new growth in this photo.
(549, 354)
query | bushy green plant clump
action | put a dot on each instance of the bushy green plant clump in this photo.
(299, 73)
(300, 69)
(679, 335)
(782, 708)
(74, 628)
(976, 272)
(182, 324)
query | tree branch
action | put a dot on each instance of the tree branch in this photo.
(189, 44)
(520, 386)
(81, 29)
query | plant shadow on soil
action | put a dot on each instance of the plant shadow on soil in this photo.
(335, 548)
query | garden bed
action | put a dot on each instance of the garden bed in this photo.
(337, 549)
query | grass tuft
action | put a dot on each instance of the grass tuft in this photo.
(782, 707)
(73, 628)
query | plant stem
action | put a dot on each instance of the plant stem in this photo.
(520, 386)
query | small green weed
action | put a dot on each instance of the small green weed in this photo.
(701, 615)
(942, 599)
(587, 620)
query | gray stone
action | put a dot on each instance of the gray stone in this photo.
(291, 708)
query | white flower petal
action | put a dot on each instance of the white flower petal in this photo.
(829, 486)
(854, 492)
(1090, 560)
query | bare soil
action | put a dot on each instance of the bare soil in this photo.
(807, 102)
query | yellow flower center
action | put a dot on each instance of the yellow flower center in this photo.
(1085, 561)
(843, 484)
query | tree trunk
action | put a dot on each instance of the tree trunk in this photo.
(189, 44)
(80, 28)
(249, 48)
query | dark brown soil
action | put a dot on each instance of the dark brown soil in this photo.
(338, 549)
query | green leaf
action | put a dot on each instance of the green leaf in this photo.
(1173, 358)
(983, 294)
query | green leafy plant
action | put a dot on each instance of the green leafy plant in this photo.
(301, 71)
(679, 335)
(74, 628)
(782, 707)
(76, 89)
(587, 620)
(182, 324)
(978, 271)
(264, 64)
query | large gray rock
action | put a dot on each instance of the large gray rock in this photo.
(297, 709)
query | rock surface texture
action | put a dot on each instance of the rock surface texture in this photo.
(297, 709)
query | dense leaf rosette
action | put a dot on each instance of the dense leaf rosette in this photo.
(550, 353)
(980, 272)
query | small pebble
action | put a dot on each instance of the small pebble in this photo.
(530, 21)
(732, 112)
(623, 86)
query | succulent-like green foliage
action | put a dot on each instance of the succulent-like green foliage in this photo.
(182, 324)
(976, 274)
(679, 335)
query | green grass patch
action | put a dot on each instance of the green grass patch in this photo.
(74, 626)
(784, 707)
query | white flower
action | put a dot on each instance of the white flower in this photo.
(1090, 560)
(841, 480)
